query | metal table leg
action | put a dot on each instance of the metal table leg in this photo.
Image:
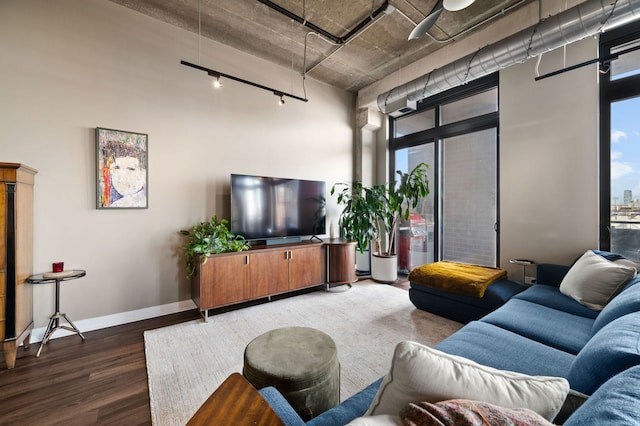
(54, 323)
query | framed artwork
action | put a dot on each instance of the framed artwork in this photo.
(121, 169)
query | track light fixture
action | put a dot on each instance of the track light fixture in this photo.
(219, 75)
(216, 83)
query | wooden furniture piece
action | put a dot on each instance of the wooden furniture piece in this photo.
(341, 262)
(54, 320)
(263, 271)
(235, 402)
(16, 257)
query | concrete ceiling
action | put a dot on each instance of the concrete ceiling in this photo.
(377, 50)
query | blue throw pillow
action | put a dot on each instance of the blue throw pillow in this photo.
(611, 350)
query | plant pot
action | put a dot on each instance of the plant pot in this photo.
(384, 269)
(363, 262)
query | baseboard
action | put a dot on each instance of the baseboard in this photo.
(98, 323)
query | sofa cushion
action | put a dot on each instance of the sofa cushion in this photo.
(593, 280)
(495, 347)
(542, 324)
(625, 303)
(421, 373)
(611, 350)
(551, 274)
(551, 297)
(351, 408)
(614, 403)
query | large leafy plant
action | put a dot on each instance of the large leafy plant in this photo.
(372, 214)
(210, 237)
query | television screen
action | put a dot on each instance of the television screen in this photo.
(268, 207)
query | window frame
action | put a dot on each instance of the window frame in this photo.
(610, 92)
(440, 132)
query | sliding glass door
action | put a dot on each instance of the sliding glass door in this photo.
(415, 243)
(457, 136)
(469, 198)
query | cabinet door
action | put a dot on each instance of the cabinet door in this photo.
(307, 266)
(223, 281)
(269, 273)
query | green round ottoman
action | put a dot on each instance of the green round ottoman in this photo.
(301, 362)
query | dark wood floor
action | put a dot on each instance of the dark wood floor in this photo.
(100, 381)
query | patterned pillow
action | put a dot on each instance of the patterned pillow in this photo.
(464, 412)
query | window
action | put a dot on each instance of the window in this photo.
(620, 143)
(456, 134)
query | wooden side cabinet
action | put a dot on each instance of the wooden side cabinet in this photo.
(16, 257)
(231, 278)
(341, 262)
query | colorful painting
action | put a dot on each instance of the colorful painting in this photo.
(121, 169)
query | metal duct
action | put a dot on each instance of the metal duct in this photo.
(584, 20)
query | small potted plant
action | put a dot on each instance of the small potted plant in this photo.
(373, 214)
(207, 238)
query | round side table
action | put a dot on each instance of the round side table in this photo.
(341, 262)
(54, 320)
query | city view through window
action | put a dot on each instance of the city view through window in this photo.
(625, 178)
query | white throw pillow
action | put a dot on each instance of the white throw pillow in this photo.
(594, 281)
(421, 373)
(382, 420)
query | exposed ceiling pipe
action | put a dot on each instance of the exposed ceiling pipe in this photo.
(584, 20)
(334, 38)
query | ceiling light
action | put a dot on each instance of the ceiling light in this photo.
(455, 5)
(216, 83)
(281, 101)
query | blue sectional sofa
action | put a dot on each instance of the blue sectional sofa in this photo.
(542, 332)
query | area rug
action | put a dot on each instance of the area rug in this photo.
(187, 362)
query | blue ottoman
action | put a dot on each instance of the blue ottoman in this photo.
(460, 307)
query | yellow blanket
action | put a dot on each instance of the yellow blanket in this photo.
(471, 280)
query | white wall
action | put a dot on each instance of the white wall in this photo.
(71, 66)
(549, 159)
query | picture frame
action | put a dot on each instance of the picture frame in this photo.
(122, 172)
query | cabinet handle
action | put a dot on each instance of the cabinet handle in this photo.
(290, 255)
(246, 260)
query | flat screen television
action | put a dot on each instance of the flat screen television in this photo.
(264, 208)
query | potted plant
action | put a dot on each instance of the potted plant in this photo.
(207, 238)
(355, 221)
(372, 215)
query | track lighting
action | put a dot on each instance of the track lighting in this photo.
(219, 75)
(216, 83)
